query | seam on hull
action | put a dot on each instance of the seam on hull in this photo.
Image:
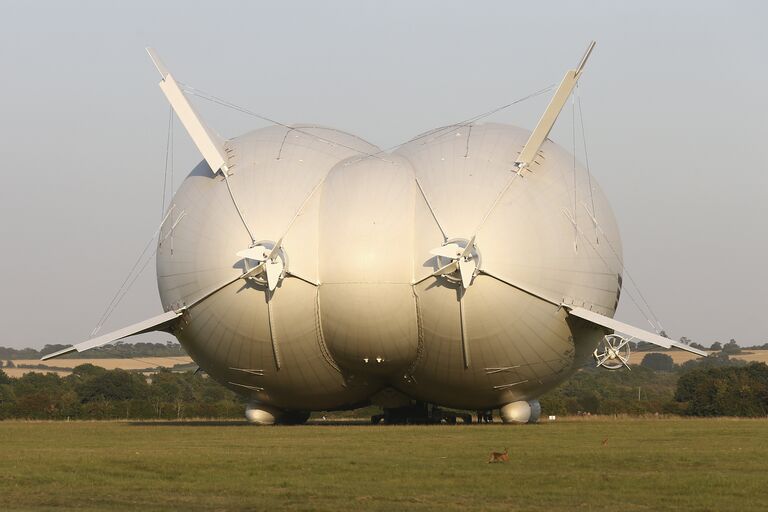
(419, 337)
(320, 337)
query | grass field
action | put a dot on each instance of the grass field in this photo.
(653, 464)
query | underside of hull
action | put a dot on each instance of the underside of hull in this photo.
(517, 347)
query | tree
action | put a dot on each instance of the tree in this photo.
(7, 396)
(716, 346)
(113, 385)
(87, 371)
(175, 389)
(731, 348)
(43, 396)
(7, 401)
(725, 391)
(659, 362)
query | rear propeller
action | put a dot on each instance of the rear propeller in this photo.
(463, 261)
(613, 352)
(264, 263)
(458, 261)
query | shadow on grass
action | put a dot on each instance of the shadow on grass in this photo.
(242, 423)
(188, 423)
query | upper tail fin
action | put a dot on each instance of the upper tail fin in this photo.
(207, 141)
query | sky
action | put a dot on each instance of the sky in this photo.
(673, 99)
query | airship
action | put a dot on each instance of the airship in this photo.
(474, 267)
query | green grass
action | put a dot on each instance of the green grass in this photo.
(646, 464)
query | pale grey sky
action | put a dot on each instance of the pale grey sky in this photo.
(674, 105)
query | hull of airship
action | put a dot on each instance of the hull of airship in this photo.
(358, 308)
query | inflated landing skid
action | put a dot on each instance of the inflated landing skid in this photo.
(521, 412)
(259, 414)
(515, 412)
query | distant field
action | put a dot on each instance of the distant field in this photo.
(110, 364)
(681, 356)
(589, 464)
(18, 372)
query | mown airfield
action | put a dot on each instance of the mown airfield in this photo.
(572, 464)
(339, 461)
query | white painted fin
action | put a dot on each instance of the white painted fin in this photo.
(158, 323)
(547, 121)
(256, 253)
(635, 332)
(207, 141)
(470, 245)
(258, 269)
(467, 271)
(274, 269)
(275, 249)
(447, 269)
(450, 251)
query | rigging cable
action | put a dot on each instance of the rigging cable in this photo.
(447, 129)
(174, 222)
(133, 273)
(237, 207)
(120, 291)
(651, 318)
(575, 188)
(586, 162)
(167, 154)
(210, 97)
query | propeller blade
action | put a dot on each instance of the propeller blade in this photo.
(624, 361)
(468, 249)
(274, 269)
(467, 271)
(447, 269)
(450, 251)
(275, 249)
(258, 269)
(256, 253)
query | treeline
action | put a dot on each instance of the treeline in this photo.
(729, 348)
(91, 392)
(115, 350)
(715, 386)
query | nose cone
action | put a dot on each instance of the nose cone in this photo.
(368, 310)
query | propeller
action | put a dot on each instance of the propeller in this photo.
(463, 260)
(613, 353)
(269, 263)
(463, 263)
